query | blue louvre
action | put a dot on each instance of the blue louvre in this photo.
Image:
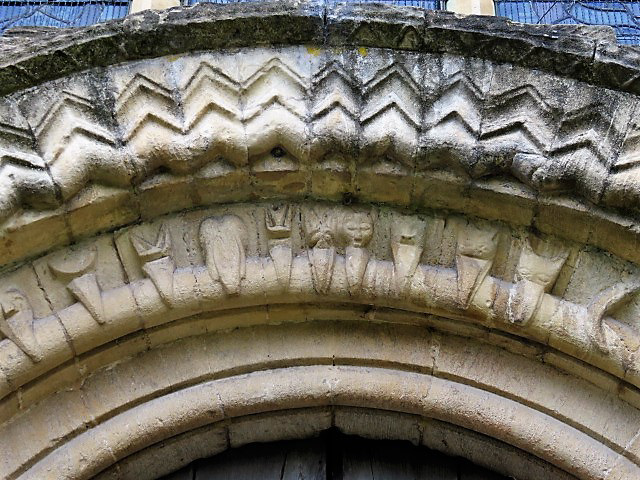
(428, 4)
(623, 16)
(57, 13)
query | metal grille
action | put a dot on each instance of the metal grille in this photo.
(57, 13)
(427, 4)
(623, 16)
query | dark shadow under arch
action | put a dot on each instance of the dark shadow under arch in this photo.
(333, 456)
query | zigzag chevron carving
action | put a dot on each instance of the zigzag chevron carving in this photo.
(531, 122)
(178, 117)
(456, 113)
(335, 111)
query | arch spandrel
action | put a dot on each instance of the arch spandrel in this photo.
(366, 222)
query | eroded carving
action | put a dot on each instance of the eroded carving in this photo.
(603, 305)
(73, 265)
(176, 147)
(538, 268)
(162, 274)
(518, 127)
(86, 289)
(407, 239)
(148, 251)
(320, 233)
(16, 322)
(474, 257)
(77, 271)
(158, 264)
(278, 224)
(355, 230)
(332, 250)
(224, 242)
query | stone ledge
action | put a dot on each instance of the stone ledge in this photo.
(585, 53)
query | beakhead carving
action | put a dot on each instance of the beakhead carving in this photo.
(224, 241)
(370, 219)
(16, 322)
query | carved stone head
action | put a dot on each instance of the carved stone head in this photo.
(477, 242)
(319, 229)
(407, 230)
(540, 262)
(355, 228)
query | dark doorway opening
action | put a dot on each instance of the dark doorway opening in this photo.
(333, 456)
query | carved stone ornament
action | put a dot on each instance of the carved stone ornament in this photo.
(16, 322)
(536, 274)
(407, 237)
(81, 281)
(150, 251)
(223, 240)
(474, 257)
(228, 224)
(321, 232)
(605, 303)
(278, 224)
(355, 232)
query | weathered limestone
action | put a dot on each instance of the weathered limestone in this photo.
(243, 226)
(315, 386)
(369, 423)
(558, 293)
(423, 130)
(244, 256)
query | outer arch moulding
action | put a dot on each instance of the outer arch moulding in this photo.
(293, 367)
(461, 164)
(444, 127)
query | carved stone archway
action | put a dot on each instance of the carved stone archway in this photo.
(223, 226)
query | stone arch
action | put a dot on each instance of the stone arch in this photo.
(267, 374)
(356, 228)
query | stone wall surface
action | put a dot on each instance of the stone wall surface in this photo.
(246, 223)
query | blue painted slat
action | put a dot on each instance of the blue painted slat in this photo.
(623, 16)
(427, 4)
(59, 13)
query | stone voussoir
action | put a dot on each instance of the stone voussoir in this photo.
(231, 223)
(104, 148)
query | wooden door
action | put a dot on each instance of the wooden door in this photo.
(333, 456)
